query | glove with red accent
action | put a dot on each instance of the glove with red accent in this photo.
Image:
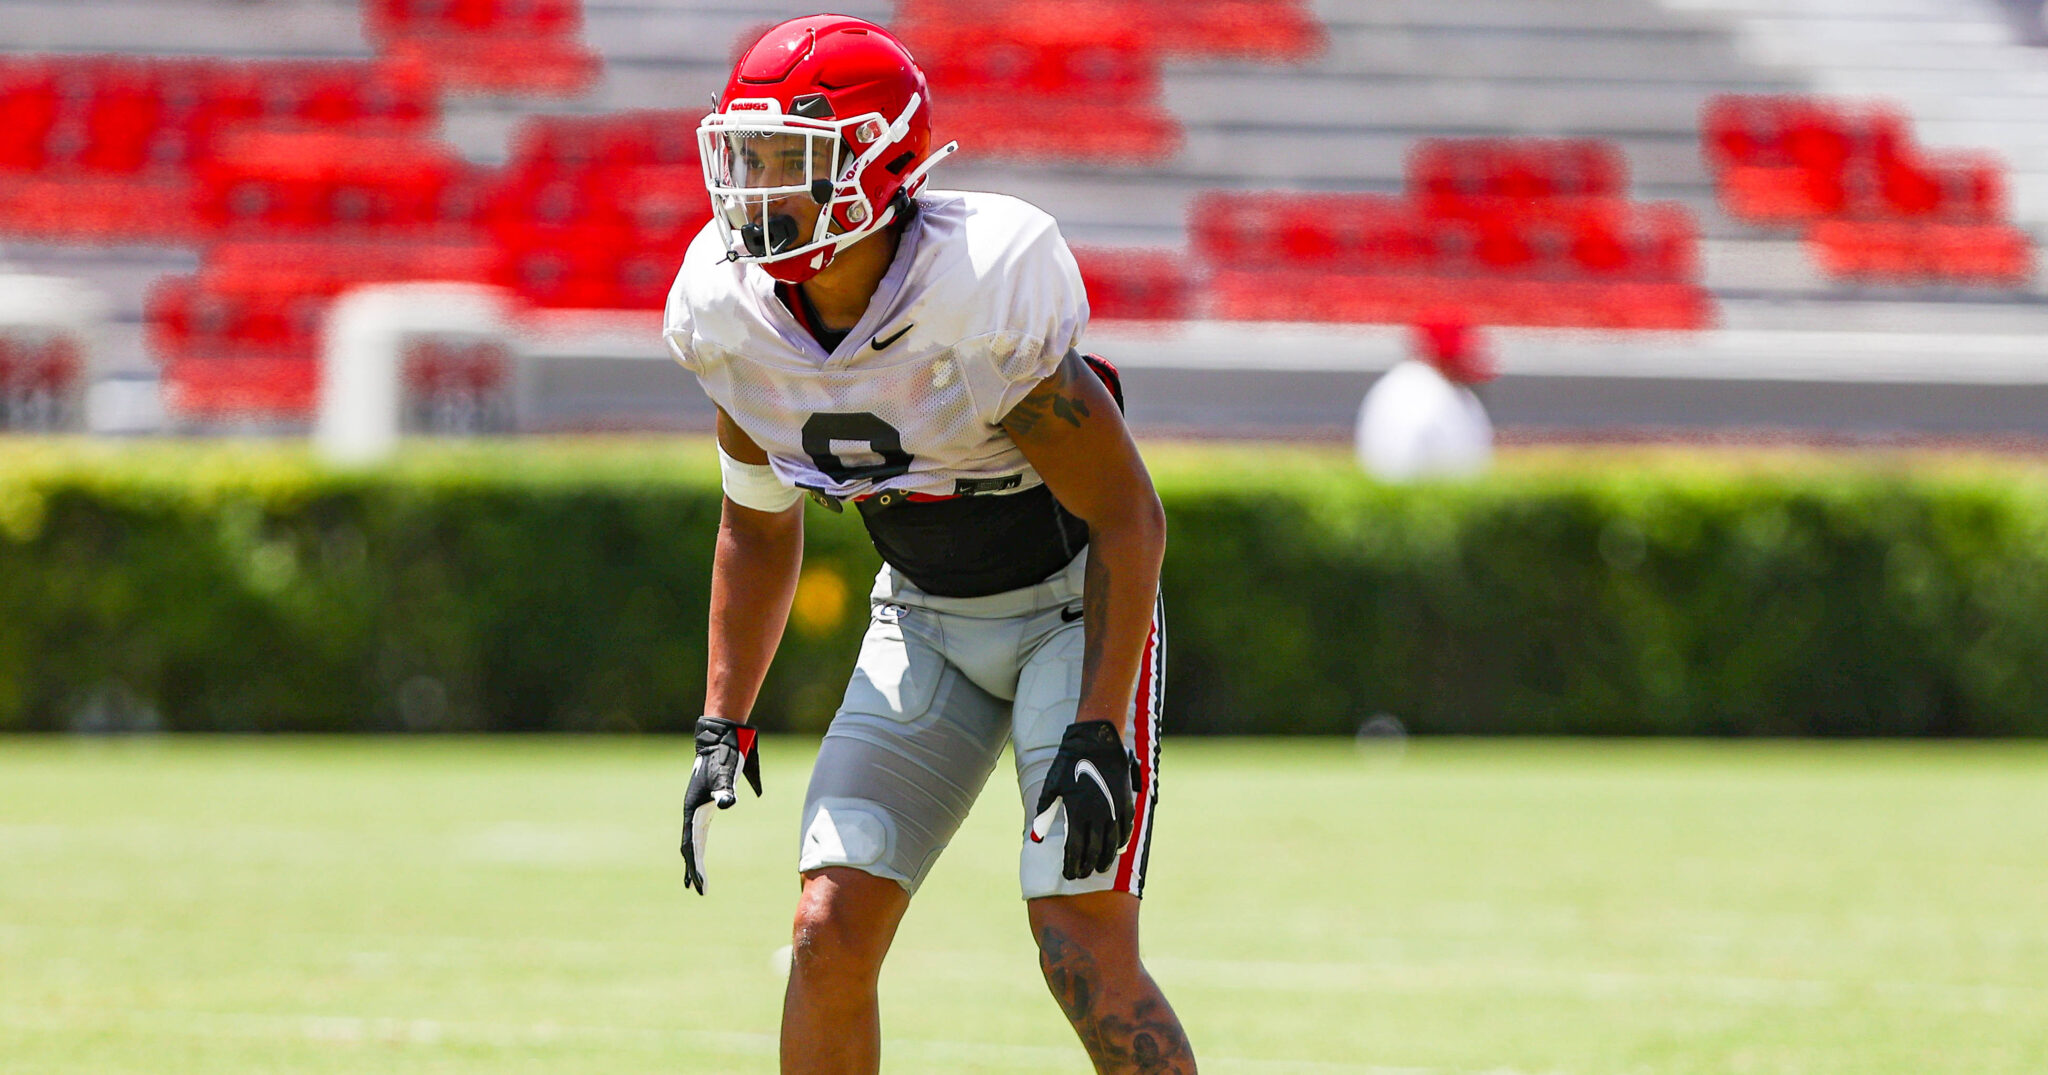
(1092, 775)
(724, 748)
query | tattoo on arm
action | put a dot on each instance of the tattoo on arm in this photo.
(1146, 1039)
(1058, 400)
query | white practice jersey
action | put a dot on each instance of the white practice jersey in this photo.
(981, 304)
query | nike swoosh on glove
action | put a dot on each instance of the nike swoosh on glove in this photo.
(724, 747)
(1092, 776)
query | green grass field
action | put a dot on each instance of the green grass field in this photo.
(1482, 908)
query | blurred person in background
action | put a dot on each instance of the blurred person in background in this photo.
(911, 353)
(1422, 419)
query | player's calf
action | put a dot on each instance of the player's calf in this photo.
(1088, 951)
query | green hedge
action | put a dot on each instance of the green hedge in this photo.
(561, 585)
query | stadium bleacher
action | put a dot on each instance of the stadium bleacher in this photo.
(222, 169)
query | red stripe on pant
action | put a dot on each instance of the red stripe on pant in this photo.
(1141, 745)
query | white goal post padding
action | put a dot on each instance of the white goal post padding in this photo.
(362, 377)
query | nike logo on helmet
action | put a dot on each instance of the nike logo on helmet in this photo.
(880, 343)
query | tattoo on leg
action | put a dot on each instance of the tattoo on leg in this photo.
(1145, 1040)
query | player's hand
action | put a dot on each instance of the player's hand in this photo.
(1092, 776)
(724, 747)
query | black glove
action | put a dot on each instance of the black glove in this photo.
(1093, 775)
(723, 747)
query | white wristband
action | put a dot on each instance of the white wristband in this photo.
(754, 485)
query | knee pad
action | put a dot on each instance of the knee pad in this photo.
(848, 832)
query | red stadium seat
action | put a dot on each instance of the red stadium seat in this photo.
(1879, 209)
(1791, 160)
(244, 334)
(664, 208)
(1907, 253)
(1795, 131)
(1037, 60)
(596, 212)
(1098, 134)
(493, 46)
(1396, 299)
(1137, 285)
(122, 121)
(1781, 194)
(1344, 232)
(318, 181)
(98, 208)
(593, 269)
(329, 266)
(1950, 187)
(1558, 261)
(1048, 90)
(1995, 255)
(190, 320)
(1242, 29)
(1447, 173)
(392, 18)
(29, 107)
(513, 64)
(615, 140)
(243, 386)
(564, 269)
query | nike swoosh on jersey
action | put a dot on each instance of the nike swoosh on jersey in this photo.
(1087, 768)
(880, 343)
(1069, 615)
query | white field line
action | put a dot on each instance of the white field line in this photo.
(384, 1031)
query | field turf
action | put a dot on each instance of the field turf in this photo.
(177, 907)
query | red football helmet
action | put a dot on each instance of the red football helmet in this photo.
(829, 110)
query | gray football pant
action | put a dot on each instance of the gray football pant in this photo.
(940, 683)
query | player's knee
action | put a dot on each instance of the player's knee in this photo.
(838, 934)
(827, 944)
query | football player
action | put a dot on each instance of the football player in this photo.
(911, 355)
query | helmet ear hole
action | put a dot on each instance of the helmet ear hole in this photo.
(896, 166)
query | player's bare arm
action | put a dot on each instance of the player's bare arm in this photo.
(753, 580)
(1071, 431)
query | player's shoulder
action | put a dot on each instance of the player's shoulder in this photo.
(708, 273)
(978, 248)
(710, 304)
(988, 231)
(708, 279)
